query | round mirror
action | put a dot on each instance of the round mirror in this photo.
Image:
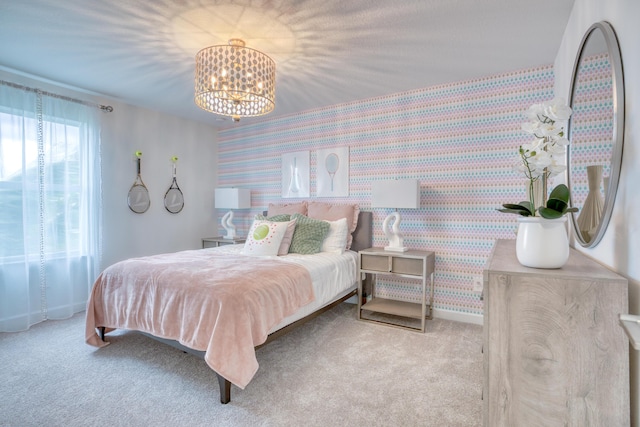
(595, 130)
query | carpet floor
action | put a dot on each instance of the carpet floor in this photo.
(332, 371)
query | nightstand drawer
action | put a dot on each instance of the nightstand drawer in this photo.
(392, 264)
(375, 263)
(411, 266)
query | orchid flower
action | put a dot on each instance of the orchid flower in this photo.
(538, 159)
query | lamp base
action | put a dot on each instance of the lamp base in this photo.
(396, 240)
(396, 248)
(227, 224)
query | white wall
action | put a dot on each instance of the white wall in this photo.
(159, 137)
(620, 247)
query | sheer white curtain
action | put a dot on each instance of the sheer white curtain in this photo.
(50, 213)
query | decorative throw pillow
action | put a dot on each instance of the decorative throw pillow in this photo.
(264, 238)
(329, 212)
(274, 218)
(291, 227)
(287, 238)
(309, 235)
(336, 239)
(287, 208)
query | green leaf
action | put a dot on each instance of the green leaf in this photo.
(560, 192)
(527, 205)
(515, 211)
(549, 213)
(512, 206)
(557, 205)
(522, 208)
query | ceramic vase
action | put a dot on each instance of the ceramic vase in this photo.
(541, 242)
(591, 211)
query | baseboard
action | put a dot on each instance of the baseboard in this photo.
(476, 319)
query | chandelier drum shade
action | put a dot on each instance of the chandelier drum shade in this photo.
(234, 80)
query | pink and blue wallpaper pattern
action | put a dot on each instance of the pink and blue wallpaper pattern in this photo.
(459, 140)
(592, 124)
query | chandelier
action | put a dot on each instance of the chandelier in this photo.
(234, 80)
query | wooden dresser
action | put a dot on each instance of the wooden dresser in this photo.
(554, 352)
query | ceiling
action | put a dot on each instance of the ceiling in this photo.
(327, 52)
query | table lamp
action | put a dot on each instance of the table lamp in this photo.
(396, 194)
(231, 198)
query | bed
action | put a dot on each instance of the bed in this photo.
(220, 303)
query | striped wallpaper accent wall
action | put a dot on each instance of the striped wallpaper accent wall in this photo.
(459, 140)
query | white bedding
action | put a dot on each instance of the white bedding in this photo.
(333, 276)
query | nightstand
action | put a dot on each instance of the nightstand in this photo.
(214, 242)
(412, 264)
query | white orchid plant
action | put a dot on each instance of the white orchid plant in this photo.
(539, 159)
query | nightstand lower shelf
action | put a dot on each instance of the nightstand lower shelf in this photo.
(394, 307)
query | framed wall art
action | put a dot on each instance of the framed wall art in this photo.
(333, 172)
(295, 174)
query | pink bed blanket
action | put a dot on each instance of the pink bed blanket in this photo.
(223, 304)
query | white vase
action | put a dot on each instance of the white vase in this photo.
(591, 212)
(541, 242)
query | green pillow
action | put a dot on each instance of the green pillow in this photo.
(309, 235)
(275, 218)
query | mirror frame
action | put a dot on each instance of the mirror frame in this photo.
(613, 49)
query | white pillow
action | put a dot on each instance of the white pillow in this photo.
(288, 236)
(336, 239)
(264, 237)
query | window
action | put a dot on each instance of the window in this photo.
(49, 206)
(62, 203)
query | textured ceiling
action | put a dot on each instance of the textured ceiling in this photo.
(327, 52)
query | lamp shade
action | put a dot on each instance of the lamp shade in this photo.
(233, 198)
(396, 193)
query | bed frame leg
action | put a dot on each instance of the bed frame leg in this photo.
(225, 389)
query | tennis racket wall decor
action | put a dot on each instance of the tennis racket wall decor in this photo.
(332, 162)
(138, 198)
(173, 198)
